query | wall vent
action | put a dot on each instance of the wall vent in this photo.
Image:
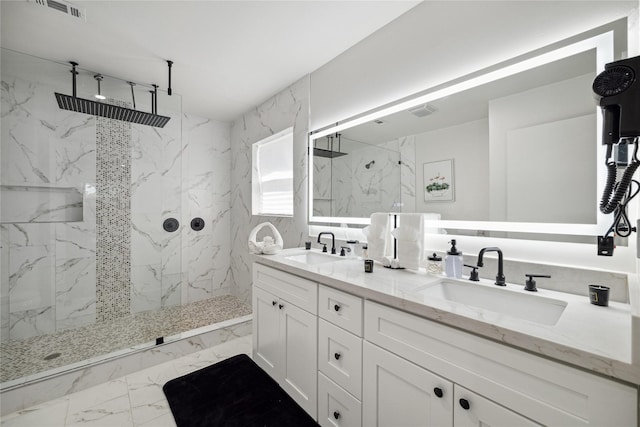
(63, 6)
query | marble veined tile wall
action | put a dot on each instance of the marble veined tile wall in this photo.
(206, 194)
(48, 270)
(359, 190)
(288, 108)
(189, 161)
(407, 146)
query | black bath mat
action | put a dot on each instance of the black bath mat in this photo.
(233, 392)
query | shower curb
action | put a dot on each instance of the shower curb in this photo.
(56, 383)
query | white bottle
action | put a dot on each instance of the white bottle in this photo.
(453, 263)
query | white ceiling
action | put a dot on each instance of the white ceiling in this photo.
(229, 56)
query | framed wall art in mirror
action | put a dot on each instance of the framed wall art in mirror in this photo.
(438, 181)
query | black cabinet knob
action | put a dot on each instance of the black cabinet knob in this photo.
(281, 306)
(336, 414)
(337, 356)
(336, 307)
(274, 302)
(465, 404)
(438, 392)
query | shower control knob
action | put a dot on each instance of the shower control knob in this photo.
(170, 225)
(197, 224)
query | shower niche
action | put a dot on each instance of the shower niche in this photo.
(34, 204)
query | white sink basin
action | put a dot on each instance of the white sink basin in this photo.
(314, 258)
(523, 305)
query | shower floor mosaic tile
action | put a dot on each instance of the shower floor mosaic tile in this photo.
(26, 357)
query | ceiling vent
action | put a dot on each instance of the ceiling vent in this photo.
(63, 6)
(422, 110)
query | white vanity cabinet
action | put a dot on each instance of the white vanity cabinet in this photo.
(357, 363)
(339, 358)
(502, 385)
(285, 338)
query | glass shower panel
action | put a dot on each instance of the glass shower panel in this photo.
(86, 266)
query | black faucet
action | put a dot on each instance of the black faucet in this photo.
(333, 242)
(500, 280)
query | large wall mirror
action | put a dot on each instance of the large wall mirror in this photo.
(509, 150)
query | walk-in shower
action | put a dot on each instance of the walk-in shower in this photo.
(87, 267)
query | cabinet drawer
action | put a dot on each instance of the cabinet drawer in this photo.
(340, 357)
(336, 407)
(296, 290)
(340, 308)
(543, 390)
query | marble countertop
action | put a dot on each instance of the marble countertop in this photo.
(599, 339)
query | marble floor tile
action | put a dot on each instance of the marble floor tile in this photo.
(136, 400)
(48, 414)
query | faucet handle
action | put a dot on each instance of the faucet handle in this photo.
(344, 250)
(473, 275)
(530, 284)
(324, 247)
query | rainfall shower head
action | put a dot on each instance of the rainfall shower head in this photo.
(329, 153)
(96, 108)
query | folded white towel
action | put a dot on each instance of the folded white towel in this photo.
(409, 254)
(409, 235)
(378, 236)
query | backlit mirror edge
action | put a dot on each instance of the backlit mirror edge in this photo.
(604, 45)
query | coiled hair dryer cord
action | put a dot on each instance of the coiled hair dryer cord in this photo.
(610, 198)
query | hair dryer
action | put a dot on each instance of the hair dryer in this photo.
(619, 89)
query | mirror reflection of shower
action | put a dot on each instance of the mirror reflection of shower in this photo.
(367, 178)
(333, 147)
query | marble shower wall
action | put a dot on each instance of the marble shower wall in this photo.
(206, 193)
(288, 108)
(48, 269)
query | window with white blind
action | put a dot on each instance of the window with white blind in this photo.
(272, 175)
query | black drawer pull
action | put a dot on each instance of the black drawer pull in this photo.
(438, 392)
(336, 414)
(274, 302)
(281, 306)
(465, 404)
(337, 356)
(336, 307)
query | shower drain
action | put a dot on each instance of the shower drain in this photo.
(52, 356)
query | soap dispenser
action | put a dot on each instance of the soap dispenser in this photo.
(453, 262)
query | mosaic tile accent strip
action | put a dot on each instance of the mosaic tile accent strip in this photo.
(41, 353)
(113, 218)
